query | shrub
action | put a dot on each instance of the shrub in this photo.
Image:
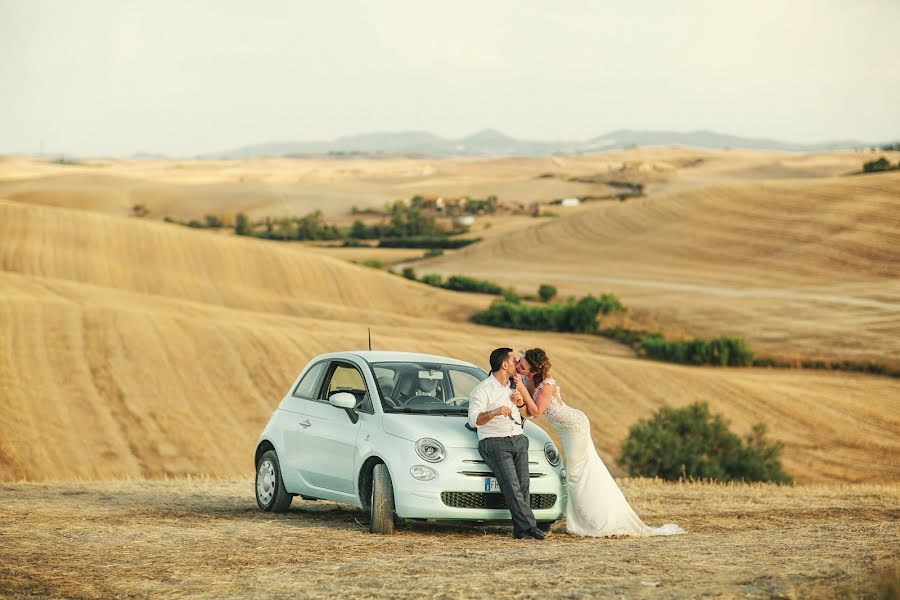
(720, 351)
(409, 273)
(241, 224)
(570, 316)
(433, 279)
(876, 166)
(427, 242)
(510, 295)
(372, 263)
(462, 283)
(691, 442)
(609, 303)
(213, 221)
(546, 292)
(434, 252)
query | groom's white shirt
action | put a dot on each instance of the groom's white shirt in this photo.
(488, 395)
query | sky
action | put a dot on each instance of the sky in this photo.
(183, 77)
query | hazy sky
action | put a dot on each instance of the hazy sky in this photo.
(188, 76)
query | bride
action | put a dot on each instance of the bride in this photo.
(596, 506)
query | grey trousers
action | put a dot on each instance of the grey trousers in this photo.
(508, 459)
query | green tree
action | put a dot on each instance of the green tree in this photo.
(241, 224)
(359, 230)
(409, 273)
(875, 166)
(692, 442)
(433, 279)
(546, 292)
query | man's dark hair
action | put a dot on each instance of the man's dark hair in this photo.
(497, 357)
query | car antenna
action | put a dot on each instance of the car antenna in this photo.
(370, 339)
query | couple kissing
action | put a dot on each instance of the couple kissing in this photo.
(518, 388)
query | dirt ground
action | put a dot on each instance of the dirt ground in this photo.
(206, 538)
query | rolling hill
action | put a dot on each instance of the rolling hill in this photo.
(802, 269)
(131, 348)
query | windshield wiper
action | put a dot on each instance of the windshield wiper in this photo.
(424, 411)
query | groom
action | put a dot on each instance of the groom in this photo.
(494, 410)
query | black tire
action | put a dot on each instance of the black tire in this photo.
(270, 493)
(545, 525)
(382, 515)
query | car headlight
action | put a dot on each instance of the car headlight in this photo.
(551, 454)
(422, 473)
(430, 450)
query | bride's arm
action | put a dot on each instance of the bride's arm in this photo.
(537, 405)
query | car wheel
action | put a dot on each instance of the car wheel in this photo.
(270, 493)
(545, 525)
(381, 518)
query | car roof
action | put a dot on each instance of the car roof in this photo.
(385, 356)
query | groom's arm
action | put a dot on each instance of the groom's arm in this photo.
(478, 416)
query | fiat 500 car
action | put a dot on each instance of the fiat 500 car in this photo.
(387, 432)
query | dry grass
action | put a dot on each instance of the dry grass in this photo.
(206, 538)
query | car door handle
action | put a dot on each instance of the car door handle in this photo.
(305, 424)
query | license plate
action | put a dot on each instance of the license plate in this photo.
(491, 484)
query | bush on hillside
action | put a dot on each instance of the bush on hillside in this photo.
(877, 166)
(462, 283)
(571, 316)
(690, 442)
(721, 351)
(546, 292)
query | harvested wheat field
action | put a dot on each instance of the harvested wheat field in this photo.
(206, 538)
(803, 269)
(148, 350)
(137, 356)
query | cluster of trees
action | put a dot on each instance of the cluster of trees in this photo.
(880, 165)
(891, 147)
(308, 227)
(208, 222)
(573, 316)
(440, 242)
(721, 351)
(692, 443)
(457, 283)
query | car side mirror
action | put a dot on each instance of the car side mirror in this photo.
(343, 400)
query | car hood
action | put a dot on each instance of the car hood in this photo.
(450, 430)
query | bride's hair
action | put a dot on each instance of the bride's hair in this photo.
(539, 362)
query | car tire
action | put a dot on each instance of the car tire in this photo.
(270, 493)
(545, 525)
(382, 514)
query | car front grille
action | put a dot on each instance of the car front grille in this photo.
(492, 500)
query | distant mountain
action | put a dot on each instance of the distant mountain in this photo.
(490, 142)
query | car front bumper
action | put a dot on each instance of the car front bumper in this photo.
(458, 490)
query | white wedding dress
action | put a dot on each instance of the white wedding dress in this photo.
(596, 506)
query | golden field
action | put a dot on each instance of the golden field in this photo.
(145, 349)
(139, 361)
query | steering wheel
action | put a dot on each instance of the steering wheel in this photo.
(458, 400)
(422, 400)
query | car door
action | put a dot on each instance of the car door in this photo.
(328, 434)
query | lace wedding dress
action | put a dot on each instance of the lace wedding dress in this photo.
(596, 506)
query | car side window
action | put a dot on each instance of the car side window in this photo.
(309, 385)
(347, 378)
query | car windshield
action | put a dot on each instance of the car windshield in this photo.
(426, 387)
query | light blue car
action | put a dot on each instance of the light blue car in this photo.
(387, 432)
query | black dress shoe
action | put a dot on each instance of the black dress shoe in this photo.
(523, 535)
(536, 533)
